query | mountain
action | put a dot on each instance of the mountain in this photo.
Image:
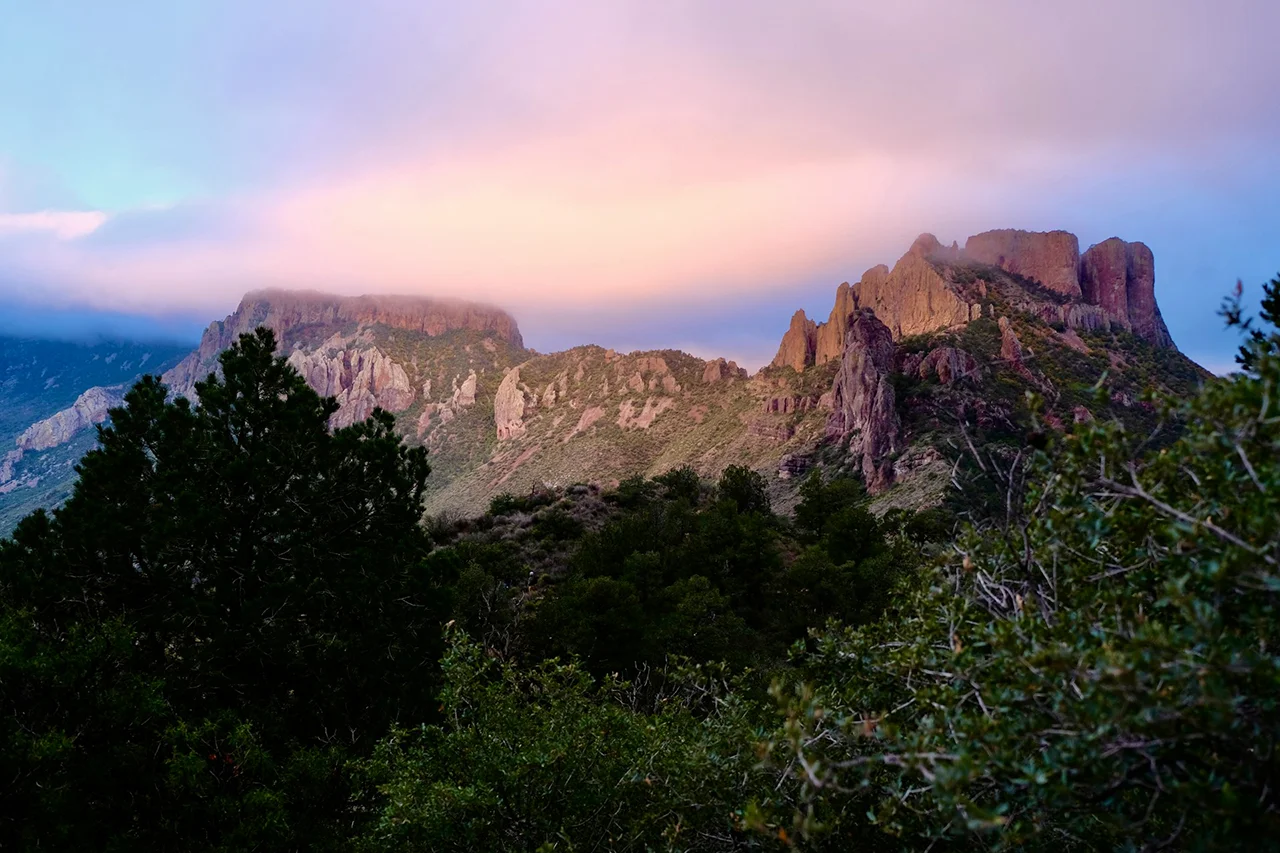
(51, 395)
(949, 339)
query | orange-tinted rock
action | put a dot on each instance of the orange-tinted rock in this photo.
(718, 370)
(359, 379)
(912, 299)
(1010, 346)
(864, 409)
(508, 407)
(1049, 257)
(798, 344)
(831, 333)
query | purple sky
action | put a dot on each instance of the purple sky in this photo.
(635, 174)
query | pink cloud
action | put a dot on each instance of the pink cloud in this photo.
(63, 224)
(543, 154)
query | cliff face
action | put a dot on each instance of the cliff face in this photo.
(864, 409)
(286, 311)
(1051, 257)
(360, 380)
(90, 408)
(1120, 277)
(934, 288)
(913, 298)
(830, 343)
(799, 343)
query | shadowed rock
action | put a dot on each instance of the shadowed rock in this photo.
(863, 404)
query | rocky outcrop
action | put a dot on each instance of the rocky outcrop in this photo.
(770, 430)
(793, 465)
(90, 408)
(629, 418)
(359, 379)
(718, 370)
(1049, 257)
(798, 344)
(10, 459)
(463, 397)
(284, 311)
(508, 407)
(787, 404)
(1104, 274)
(947, 364)
(1120, 278)
(864, 409)
(913, 298)
(1010, 346)
(830, 336)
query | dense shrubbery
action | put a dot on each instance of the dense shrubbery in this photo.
(230, 639)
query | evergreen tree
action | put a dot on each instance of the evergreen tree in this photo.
(245, 587)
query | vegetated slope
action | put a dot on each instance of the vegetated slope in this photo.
(38, 380)
(593, 415)
(949, 344)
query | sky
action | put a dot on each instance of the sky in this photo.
(635, 174)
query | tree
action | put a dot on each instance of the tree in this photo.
(1096, 670)
(745, 488)
(249, 577)
(547, 758)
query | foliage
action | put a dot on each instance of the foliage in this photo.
(747, 489)
(229, 606)
(546, 758)
(1095, 670)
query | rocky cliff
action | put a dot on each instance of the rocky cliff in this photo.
(1120, 278)
(798, 344)
(359, 379)
(1051, 257)
(934, 287)
(864, 409)
(289, 312)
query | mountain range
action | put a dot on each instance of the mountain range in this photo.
(948, 339)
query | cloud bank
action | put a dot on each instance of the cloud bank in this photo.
(574, 161)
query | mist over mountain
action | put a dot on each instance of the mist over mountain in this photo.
(1011, 309)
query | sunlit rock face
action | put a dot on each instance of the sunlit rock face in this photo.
(90, 408)
(359, 379)
(1109, 287)
(798, 344)
(1051, 258)
(284, 311)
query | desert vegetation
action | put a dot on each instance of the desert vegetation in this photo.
(239, 634)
